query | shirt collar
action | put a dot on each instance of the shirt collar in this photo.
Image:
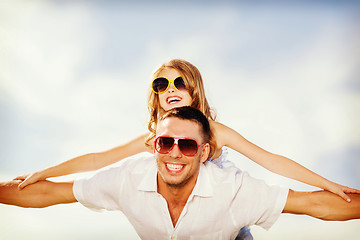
(203, 187)
(148, 182)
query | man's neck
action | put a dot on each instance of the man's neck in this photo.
(175, 196)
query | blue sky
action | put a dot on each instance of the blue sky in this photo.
(74, 79)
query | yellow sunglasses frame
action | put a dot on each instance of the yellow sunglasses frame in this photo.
(170, 81)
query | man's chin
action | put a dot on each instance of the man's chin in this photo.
(172, 181)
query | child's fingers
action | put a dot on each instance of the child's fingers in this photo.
(28, 181)
(19, 178)
(23, 184)
(351, 190)
(344, 196)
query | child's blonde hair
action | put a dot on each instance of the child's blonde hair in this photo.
(194, 84)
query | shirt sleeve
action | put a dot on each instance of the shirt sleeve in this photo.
(257, 203)
(101, 191)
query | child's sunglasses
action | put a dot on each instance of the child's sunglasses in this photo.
(188, 147)
(161, 84)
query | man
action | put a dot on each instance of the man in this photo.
(181, 195)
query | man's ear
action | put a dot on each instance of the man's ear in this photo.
(205, 152)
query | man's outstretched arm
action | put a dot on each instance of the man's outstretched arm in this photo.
(323, 205)
(37, 195)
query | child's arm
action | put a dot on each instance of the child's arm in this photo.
(87, 162)
(283, 166)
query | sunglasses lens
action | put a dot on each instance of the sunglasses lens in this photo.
(164, 144)
(179, 84)
(160, 85)
(188, 147)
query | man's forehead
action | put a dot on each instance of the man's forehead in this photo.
(173, 126)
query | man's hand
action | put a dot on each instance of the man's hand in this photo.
(28, 179)
(341, 190)
(37, 195)
(323, 205)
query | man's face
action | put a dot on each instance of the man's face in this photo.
(174, 168)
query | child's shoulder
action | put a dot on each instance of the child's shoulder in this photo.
(215, 124)
(217, 127)
(223, 134)
(219, 132)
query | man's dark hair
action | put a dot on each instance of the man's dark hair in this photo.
(192, 114)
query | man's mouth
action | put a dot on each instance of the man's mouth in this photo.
(173, 100)
(174, 168)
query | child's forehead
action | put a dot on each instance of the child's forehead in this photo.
(170, 73)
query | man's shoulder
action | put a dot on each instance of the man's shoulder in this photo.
(134, 162)
(227, 174)
(137, 164)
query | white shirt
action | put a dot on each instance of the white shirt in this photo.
(223, 201)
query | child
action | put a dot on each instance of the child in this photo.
(179, 83)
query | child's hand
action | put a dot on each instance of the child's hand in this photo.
(342, 190)
(28, 179)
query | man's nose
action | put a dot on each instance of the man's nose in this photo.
(175, 152)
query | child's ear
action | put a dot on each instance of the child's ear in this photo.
(205, 152)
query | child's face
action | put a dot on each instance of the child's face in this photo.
(173, 98)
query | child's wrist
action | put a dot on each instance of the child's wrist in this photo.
(327, 185)
(42, 174)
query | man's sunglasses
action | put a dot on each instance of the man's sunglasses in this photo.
(162, 84)
(188, 147)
